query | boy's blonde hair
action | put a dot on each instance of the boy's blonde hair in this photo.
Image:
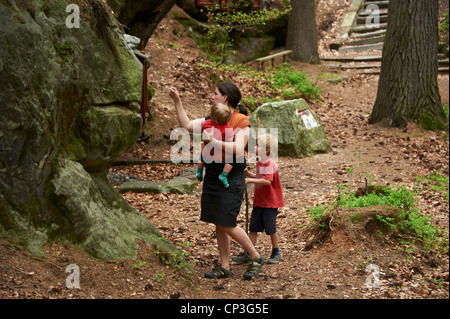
(270, 142)
(220, 113)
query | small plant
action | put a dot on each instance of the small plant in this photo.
(141, 263)
(177, 258)
(159, 278)
(361, 171)
(294, 84)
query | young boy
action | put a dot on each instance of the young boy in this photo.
(268, 197)
(220, 116)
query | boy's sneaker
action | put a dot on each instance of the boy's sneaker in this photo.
(254, 268)
(275, 258)
(242, 258)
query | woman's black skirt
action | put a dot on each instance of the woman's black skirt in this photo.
(220, 205)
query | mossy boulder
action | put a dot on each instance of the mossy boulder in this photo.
(107, 133)
(68, 109)
(300, 132)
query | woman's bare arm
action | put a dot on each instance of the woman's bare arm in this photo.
(182, 117)
(238, 145)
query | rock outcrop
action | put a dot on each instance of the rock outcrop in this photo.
(68, 104)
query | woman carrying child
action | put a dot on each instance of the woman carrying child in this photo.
(221, 206)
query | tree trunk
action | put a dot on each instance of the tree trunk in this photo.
(302, 31)
(408, 88)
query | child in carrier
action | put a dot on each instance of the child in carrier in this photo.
(218, 122)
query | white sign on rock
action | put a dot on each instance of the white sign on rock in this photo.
(308, 119)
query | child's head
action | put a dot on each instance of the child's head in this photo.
(267, 144)
(220, 113)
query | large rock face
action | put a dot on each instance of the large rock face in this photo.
(67, 109)
(300, 133)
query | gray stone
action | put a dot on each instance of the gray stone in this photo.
(300, 132)
(132, 41)
(141, 187)
(183, 184)
(179, 185)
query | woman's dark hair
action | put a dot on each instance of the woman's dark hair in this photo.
(233, 94)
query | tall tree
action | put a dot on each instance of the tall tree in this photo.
(408, 88)
(302, 31)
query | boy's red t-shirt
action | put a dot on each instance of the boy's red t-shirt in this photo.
(268, 196)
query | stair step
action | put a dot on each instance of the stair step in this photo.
(362, 29)
(380, 4)
(365, 13)
(366, 58)
(365, 47)
(442, 64)
(363, 20)
(368, 34)
(358, 66)
(366, 41)
(441, 70)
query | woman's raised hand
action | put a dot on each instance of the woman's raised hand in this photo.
(174, 95)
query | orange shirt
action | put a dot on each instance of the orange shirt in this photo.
(238, 120)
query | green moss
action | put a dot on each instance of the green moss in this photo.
(431, 122)
(357, 218)
(63, 51)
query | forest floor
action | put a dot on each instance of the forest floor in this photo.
(333, 269)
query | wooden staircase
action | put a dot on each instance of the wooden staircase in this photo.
(362, 48)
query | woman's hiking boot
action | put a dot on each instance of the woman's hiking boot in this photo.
(242, 258)
(218, 273)
(254, 268)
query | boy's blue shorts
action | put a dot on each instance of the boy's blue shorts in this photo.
(264, 219)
